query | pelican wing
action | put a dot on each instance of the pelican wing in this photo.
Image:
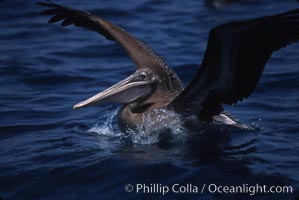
(234, 60)
(141, 55)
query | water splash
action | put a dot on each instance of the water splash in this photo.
(256, 125)
(157, 125)
(106, 125)
(154, 126)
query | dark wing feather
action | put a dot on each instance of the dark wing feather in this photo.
(141, 55)
(234, 60)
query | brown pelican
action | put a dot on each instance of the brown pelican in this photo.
(234, 60)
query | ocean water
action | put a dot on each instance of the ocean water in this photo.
(49, 151)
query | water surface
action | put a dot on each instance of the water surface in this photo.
(49, 151)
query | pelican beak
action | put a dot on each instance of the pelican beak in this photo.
(126, 91)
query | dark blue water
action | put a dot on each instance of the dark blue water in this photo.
(49, 151)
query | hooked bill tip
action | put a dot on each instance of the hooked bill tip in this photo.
(77, 106)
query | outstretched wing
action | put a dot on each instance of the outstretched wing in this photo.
(141, 55)
(234, 60)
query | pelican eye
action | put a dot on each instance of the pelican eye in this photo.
(143, 75)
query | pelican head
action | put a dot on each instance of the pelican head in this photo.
(138, 86)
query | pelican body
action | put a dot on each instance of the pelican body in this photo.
(234, 60)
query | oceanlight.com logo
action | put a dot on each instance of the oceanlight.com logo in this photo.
(156, 188)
